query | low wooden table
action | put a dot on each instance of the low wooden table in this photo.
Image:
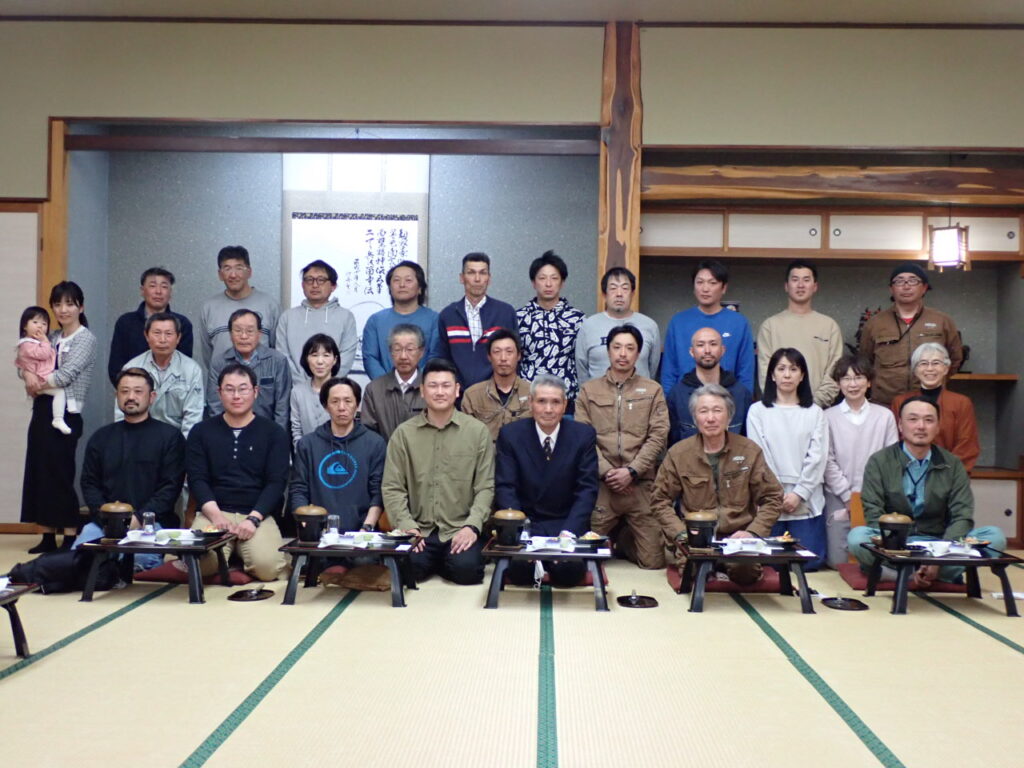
(905, 565)
(699, 565)
(189, 553)
(311, 554)
(9, 600)
(502, 556)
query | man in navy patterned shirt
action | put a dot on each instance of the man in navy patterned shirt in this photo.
(548, 326)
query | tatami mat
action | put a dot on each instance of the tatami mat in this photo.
(349, 681)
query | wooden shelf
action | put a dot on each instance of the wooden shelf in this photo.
(985, 377)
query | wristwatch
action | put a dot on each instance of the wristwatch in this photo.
(633, 473)
(366, 527)
(254, 520)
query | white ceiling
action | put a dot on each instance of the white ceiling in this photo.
(744, 11)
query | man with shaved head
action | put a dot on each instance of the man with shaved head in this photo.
(706, 349)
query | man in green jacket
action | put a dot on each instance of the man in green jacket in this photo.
(439, 481)
(917, 478)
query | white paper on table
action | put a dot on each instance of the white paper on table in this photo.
(146, 538)
(403, 547)
(805, 553)
(1016, 595)
(604, 551)
(547, 544)
(753, 546)
(953, 550)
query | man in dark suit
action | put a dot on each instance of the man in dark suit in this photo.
(546, 466)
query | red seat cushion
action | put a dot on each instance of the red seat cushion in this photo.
(769, 582)
(857, 579)
(586, 581)
(168, 572)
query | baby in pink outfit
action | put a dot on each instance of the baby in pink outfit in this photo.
(36, 354)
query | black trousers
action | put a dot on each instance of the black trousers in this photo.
(563, 574)
(464, 568)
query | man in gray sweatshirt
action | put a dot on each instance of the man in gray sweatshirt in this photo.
(618, 286)
(234, 271)
(318, 313)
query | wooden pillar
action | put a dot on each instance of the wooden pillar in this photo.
(621, 133)
(53, 223)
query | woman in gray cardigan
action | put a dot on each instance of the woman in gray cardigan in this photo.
(320, 360)
(48, 496)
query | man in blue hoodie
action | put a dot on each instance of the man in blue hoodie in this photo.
(465, 326)
(319, 312)
(339, 465)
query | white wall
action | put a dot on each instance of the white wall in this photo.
(18, 238)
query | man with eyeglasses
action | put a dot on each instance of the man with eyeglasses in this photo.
(237, 465)
(889, 338)
(234, 270)
(268, 365)
(319, 312)
(439, 481)
(395, 396)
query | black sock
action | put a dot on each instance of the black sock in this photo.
(47, 544)
(68, 541)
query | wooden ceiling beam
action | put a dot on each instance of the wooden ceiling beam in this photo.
(942, 185)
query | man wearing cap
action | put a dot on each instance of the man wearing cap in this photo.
(889, 338)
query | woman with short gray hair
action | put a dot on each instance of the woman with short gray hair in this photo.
(958, 427)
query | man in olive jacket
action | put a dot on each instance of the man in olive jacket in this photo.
(717, 470)
(630, 416)
(439, 481)
(918, 479)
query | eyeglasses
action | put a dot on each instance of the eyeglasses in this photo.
(241, 391)
(244, 332)
(315, 280)
(911, 281)
(853, 379)
(932, 364)
(396, 350)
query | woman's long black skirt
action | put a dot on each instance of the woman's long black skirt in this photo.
(48, 494)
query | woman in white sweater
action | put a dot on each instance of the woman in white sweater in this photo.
(791, 431)
(856, 429)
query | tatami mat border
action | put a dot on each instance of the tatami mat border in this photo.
(33, 658)
(833, 699)
(547, 712)
(221, 733)
(968, 620)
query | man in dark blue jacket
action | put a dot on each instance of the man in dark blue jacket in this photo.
(465, 326)
(706, 349)
(546, 466)
(340, 464)
(128, 339)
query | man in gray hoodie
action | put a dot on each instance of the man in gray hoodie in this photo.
(339, 466)
(318, 313)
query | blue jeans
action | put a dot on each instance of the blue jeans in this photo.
(951, 573)
(92, 531)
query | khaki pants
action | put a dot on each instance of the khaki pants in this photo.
(642, 540)
(260, 557)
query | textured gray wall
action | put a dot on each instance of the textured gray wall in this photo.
(88, 245)
(177, 209)
(513, 209)
(844, 292)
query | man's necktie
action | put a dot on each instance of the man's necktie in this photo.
(547, 448)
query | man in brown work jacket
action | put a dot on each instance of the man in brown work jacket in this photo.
(630, 416)
(889, 338)
(717, 470)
